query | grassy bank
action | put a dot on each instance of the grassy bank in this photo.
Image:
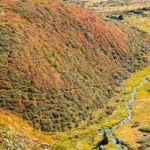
(130, 133)
(86, 136)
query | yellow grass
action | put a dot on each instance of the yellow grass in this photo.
(111, 146)
(88, 133)
(85, 133)
(18, 125)
(140, 109)
(142, 23)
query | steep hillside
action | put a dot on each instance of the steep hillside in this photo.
(58, 62)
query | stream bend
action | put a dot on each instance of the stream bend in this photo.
(109, 132)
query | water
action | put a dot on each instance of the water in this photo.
(109, 131)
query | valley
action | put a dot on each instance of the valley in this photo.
(85, 137)
(89, 68)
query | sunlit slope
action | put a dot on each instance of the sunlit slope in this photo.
(15, 133)
(59, 62)
(136, 132)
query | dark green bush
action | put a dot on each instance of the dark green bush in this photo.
(46, 124)
(55, 114)
(147, 129)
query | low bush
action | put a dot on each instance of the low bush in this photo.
(58, 147)
(88, 37)
(144, 129)
(46, 124)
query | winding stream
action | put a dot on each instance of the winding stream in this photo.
(109, 132)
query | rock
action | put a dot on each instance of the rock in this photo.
(45, 146)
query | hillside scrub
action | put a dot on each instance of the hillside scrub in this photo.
(58, 62)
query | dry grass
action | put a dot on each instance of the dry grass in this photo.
(18, 125)
(141, 23)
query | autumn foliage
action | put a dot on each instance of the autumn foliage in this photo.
(58, 61)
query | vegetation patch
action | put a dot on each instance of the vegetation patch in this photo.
(60, 64)
(147, 130)
(140, 110)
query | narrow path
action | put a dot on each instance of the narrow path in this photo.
(109, 132)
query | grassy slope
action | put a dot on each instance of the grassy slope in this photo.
(15, 133)
(84, 137)
(59, 62)
(141, 105)
(141, 23)
(128, 133)
(87, 134)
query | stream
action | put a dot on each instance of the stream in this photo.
(109, 131)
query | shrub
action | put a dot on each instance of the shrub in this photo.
(5, 85)
(2, 101)
(26, 9)
(58, 147)
(144, 139)
(88, 37)
(55, 114)
(33, 90)
(135, 124)
(46, 124)
(13, 75)
(52, 58)
(144, 129)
